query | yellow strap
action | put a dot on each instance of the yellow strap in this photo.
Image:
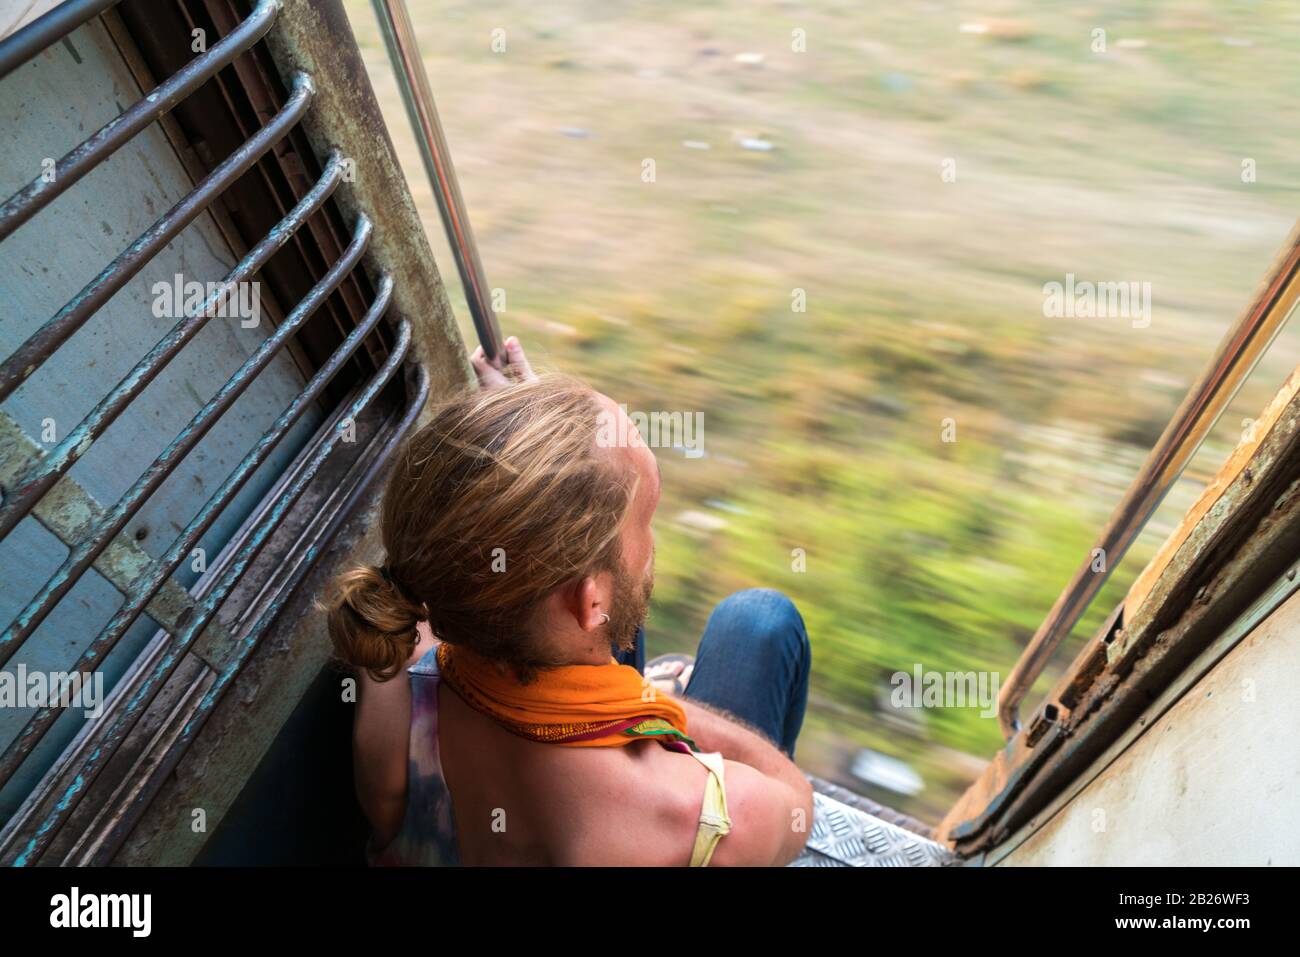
(714, 820)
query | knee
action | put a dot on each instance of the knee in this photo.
(768, 619)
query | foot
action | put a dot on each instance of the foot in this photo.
(670, 673)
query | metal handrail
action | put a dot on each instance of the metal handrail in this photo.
(1241, 348)
(117, 132)
(46, 30)
(413, 82)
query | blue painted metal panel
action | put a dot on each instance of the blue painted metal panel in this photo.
(29, 555)
(47, 107)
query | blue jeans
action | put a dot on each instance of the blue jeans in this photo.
(753, 662)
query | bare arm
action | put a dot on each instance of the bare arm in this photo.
(381, 734)
(769, 799)
(716, 730)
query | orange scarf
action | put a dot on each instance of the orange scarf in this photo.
(579, 706)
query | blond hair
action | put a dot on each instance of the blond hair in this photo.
(503, 497)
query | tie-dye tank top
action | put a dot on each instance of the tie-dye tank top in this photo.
(428, 834)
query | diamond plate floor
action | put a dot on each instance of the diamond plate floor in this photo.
(847, 836)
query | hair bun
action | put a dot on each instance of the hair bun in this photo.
(372, 623)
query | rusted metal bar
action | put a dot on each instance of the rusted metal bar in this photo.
(1240, 561)
(103, 853)
(41, 191)
(54, 333)
(23, 495)
(83, 555)
(413, 83)
(1232, 362)
(205, 610)
(143, 590)
(46, 30)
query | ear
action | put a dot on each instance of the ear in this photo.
(590, 604)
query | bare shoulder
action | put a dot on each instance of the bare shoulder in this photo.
(640, 807)
(647, 811)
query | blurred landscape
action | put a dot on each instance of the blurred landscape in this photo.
(916, 174)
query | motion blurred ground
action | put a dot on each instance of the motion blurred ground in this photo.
(823, 429)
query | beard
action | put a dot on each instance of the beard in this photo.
(631, 603)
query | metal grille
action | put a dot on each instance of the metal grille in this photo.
(31, 475)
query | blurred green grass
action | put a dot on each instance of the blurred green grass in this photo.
(924, 297)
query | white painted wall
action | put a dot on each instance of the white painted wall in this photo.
(1215, 781)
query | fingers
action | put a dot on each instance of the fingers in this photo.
(672, 666)
(663, 685)
(665, 669)
(516, 368)
(489, 377)
(517, 362)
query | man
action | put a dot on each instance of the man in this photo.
(519, 554)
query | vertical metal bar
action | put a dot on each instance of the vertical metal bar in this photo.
(1232, 362)
(27, 491)
(46, 30)
(81, 556)
(40, 192)
(41, 344)
(413, 82)
(204, 612)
